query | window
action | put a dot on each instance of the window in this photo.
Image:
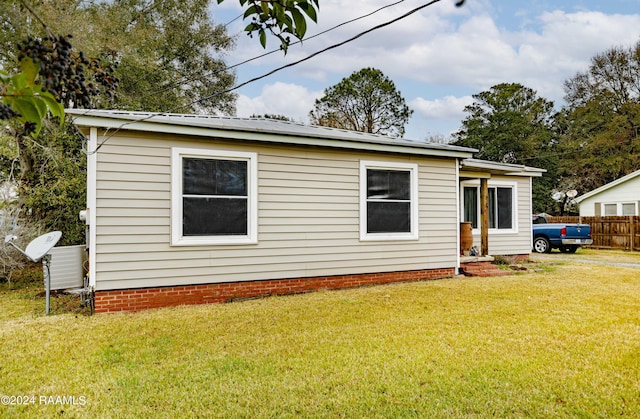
(214, 197)
(388, 201)
(625, 209)
(501, 210)
(471, 205)
(629, 209)
(610, 209)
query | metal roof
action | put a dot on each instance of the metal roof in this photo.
(259, 129)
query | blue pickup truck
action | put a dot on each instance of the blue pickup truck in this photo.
(566, 237)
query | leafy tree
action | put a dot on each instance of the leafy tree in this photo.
(54, 192)
(47, 75)
(50, 173)
(163, 55)
(510, 123)
(600, 127)
(169, 60)
(24, 101)
(613, 78)
(366, 101)
(281, 18)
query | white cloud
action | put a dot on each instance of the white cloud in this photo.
(446, 108)
(440, 56)
(363, 52)
(437, 117)
(291, 100)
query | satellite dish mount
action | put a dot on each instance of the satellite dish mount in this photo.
(38, 250)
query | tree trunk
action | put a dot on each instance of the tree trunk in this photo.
(25, 157)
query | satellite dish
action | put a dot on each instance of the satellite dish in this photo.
(40, 246)
(557, 196)
(572, 193)
(36, 250)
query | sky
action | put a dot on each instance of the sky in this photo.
(438, 57)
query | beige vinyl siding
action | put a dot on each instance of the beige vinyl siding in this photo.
(308, 217)
(518, 243)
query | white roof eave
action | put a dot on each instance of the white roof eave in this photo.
(505, 169)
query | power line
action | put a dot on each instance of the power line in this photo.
(233, 20)
(359, 35)
(200, 78)
(382, 25)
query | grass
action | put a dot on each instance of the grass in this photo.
(25, 296)
(564, 342)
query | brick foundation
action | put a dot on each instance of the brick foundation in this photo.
(145, 298)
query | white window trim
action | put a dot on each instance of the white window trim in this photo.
(177, 239)
(413, 170)
(514, 204)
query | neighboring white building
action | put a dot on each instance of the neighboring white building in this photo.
(186, 209)
(620, 197)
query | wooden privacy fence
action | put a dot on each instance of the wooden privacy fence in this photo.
(612, 232)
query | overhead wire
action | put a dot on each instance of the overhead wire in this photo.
(382, 25)
(226, 68)
(172, 110)
(233, 20)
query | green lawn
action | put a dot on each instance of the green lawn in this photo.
(561, 342)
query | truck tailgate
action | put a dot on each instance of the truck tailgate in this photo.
(578, 231)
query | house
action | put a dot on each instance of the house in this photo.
(508, 191)
(187, 209)
(620, 197)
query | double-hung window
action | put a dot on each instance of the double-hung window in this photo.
(501, 206)
(388, 201)
(214, 197)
